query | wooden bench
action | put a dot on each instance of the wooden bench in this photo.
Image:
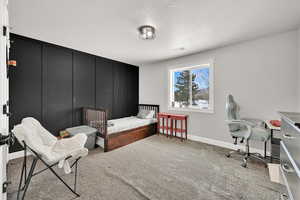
(171, 124)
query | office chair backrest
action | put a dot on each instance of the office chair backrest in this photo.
(232, 113)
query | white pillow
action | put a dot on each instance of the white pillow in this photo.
(151, 114)
(146, 114)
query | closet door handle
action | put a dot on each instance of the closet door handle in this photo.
(7, 139)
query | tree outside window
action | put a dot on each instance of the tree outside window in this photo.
(191, 87)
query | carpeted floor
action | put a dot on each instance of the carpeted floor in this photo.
(156, 168)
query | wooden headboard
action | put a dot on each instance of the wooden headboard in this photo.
(149, 107)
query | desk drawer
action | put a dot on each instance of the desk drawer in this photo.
(291, 139)
(290, 176)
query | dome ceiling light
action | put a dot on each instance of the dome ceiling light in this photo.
(147, 32)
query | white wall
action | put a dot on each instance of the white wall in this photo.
(261, 74)
(298, 70)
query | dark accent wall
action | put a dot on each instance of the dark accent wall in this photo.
(57, 88)
(83, 84)
(125, 101)
(52, 83)
(104, 84)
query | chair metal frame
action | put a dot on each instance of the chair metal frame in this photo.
(28, 177)
(247, 154)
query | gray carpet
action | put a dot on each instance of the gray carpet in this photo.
(156, 168)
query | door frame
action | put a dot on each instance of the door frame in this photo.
(4, 86)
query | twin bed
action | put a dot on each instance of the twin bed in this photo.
(116, 133)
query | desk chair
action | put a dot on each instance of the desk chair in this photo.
(245, 130)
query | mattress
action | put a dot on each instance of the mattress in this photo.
(127, 123)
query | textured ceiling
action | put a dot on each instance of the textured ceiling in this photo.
(109, 28)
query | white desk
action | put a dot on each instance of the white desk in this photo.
(270, 126)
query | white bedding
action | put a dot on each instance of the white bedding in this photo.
(127, 123)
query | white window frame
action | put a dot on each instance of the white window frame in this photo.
(210, 109)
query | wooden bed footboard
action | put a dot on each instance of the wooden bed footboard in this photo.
(97, 118)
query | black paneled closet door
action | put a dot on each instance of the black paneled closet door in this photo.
(57, 88)
(133, 88)
(104, 84)
(125, 101)
(25, 82)
(120, 90)
(83, 84)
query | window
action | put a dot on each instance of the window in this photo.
(191, 88)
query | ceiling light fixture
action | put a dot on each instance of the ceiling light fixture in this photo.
(147, 32)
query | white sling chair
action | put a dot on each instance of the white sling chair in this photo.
(47, 148)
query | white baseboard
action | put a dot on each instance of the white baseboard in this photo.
(18, 154)
(224, 144)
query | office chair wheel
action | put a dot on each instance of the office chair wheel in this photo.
(244, 164)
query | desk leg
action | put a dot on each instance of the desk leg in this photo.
(167, 127)
(181, 129)
(265, 150)
(171, 134)
(158, 125)
(175, 132)
(186, 130)
(271, 156)
(163, 126)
